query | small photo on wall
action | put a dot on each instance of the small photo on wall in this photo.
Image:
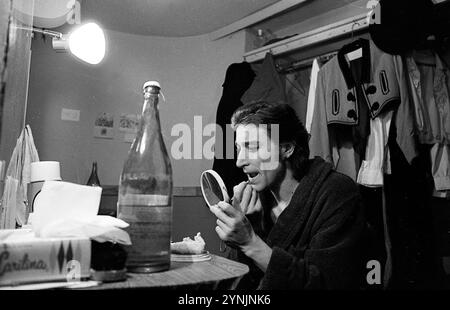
(128, 124)
(104, 126)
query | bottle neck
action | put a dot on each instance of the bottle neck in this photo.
(150, 113)
(149, 127)
(150, 103)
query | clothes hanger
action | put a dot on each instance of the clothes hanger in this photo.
(353, 30)
(356, 48)
(359, 48)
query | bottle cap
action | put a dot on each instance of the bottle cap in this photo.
(151, 83)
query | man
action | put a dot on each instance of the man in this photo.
(296, 222)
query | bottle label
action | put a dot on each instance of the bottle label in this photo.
(150, 219)
(143, 200)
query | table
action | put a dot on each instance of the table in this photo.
(216, 273)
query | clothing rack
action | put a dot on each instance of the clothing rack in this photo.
(300, 64)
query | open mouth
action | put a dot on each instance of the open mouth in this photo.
(252, 175)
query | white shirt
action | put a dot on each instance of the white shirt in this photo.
(312, 95)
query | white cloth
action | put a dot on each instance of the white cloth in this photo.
(13, 209)
(441, 194)
(376, 161)
(312, 94)
(440, 166)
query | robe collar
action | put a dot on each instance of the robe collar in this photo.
(295, 216)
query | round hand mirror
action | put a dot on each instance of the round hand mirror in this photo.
(213, 188)
(214, 191)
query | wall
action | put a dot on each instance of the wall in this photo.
(190, 70)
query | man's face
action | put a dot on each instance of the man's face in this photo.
(258, 155)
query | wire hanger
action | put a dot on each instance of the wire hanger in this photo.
(353, 30)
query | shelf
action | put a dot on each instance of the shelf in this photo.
(256, 17)
(334, 30)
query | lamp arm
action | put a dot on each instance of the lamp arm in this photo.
(54, 34)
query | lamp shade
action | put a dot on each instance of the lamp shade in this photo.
(88, 43)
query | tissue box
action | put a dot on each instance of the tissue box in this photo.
(25, 258)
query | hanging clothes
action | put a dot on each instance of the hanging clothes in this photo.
(349, 96)
(429, 86)
(238, 78)
(297, 87)
(409, 220)
(440, 166)
(377, 159)
(13, 209)
(312, 94)
(268, 85)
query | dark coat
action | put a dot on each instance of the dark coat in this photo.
(238, 78)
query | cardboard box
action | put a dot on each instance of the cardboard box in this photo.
(27, 259)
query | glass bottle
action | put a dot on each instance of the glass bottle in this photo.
(93, 178)
(145, 191)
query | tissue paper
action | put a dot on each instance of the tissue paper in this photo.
(59, 201)
(64, 209)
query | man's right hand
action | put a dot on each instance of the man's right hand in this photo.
(246, 198)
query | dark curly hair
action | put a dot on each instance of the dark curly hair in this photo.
(291, 129)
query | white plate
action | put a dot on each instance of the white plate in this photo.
(190, 257)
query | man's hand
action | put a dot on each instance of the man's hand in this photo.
(232, 225)
(245, 198)
(234, 228)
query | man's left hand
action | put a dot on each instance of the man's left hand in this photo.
(232, 225)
